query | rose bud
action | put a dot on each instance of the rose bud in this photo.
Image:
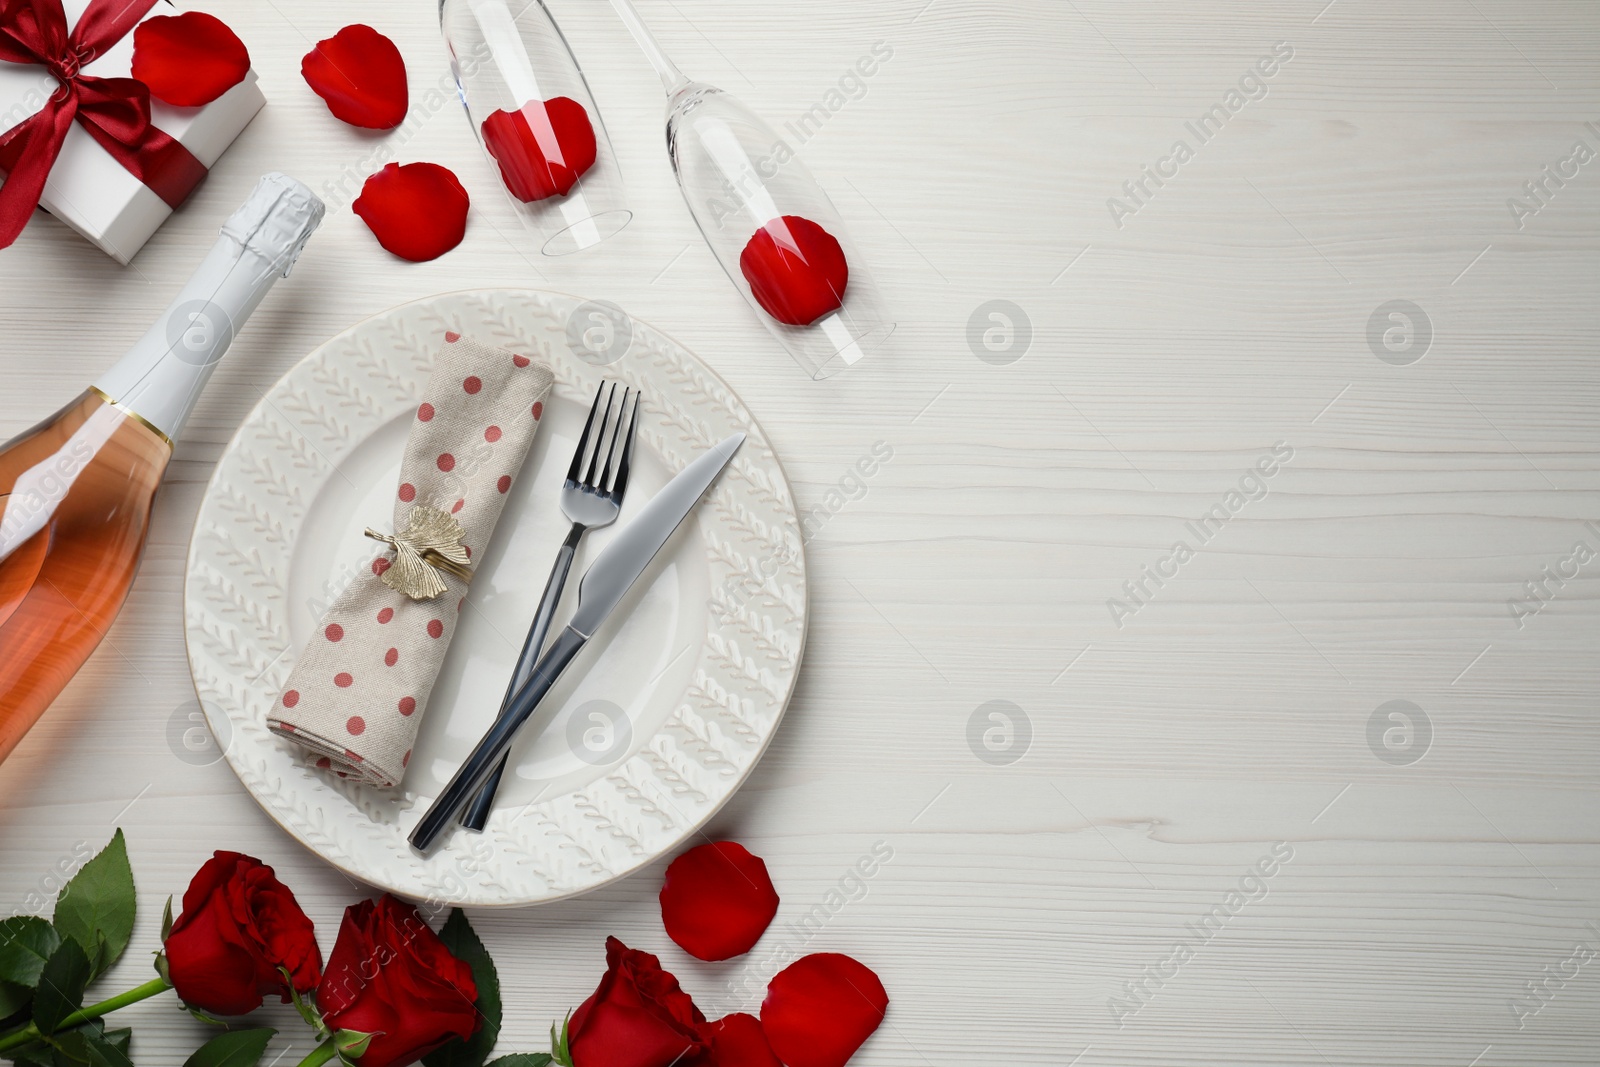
(239, 926)
(389, 975)
(638, 1017)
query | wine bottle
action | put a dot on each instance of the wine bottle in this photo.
(77, 489)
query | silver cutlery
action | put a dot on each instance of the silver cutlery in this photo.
(590, 499)
(604, 584)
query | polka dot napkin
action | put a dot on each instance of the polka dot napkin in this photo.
(359, 688)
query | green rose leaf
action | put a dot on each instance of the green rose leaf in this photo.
(93, 1047)
(166, 920)
(13, 998)
(236, 1048)
(26, 941)
(522, 1059)
(120, 1039)
(96, 907)
(463, 943)
(61, 984)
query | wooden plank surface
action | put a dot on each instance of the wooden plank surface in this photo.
(1172, 744)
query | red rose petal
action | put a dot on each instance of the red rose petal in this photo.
(737, 1041)
(796, 270)
(358, 72)
(717, 900)
(418, 211)
(543, 148)
(820, 1008)
(188, 60)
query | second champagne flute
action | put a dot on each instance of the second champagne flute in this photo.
(772, 227)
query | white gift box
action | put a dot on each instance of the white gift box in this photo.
(90, 191)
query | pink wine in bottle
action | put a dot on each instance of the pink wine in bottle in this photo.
(76, 490)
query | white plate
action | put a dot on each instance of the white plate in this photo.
(658, 722)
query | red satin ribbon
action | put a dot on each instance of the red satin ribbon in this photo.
(115, 111)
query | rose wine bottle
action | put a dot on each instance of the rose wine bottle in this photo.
(76, 490)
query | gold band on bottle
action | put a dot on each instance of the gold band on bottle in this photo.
(132, 414)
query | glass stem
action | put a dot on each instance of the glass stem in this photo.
(94, 1011)
(672, 79)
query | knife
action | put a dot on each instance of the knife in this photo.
(605, 582)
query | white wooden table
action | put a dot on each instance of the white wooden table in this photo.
(1429, 466)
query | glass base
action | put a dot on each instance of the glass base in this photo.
(587, 232)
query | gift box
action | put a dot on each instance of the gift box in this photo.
(88, 188)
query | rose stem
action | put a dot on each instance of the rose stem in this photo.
(320, 1055)
(94, 1011)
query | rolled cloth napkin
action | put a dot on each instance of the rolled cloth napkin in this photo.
(356, 696)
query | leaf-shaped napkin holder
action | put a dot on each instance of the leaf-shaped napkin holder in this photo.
(429, 545)
(359, 687)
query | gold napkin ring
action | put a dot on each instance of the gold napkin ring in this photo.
(430, 544)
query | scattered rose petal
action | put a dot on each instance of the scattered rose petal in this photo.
(188, 60)
(820, 1008)
(796, 270)
(717, 900)
(736, 1041)
(543, 148)
(359, 73)
(418, 211)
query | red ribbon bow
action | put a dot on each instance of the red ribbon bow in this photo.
(115, 111)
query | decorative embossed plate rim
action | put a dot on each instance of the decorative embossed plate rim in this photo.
(236, 615)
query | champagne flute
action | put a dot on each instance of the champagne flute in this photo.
(769, 223)
(532, 112)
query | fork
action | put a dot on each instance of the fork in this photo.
(590, 499)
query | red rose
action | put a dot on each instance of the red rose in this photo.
(638, 1017)
(389, 975)
(239, 925)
